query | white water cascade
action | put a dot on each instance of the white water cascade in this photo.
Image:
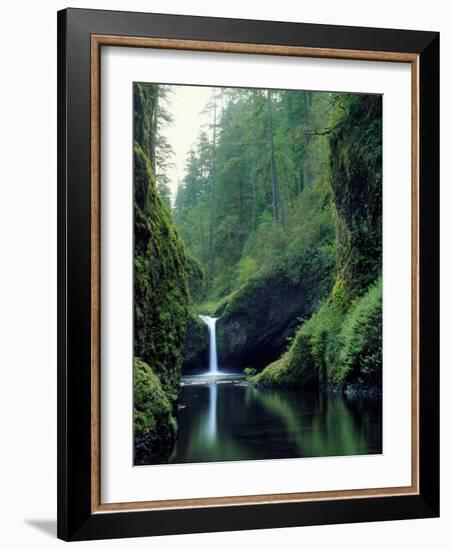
(211, 324)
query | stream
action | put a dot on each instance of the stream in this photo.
(229, 420)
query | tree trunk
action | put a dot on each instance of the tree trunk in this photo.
(273, 160)
(212, 199)
(282, 209)
(302, 178)
(254, 176)
(153, 134)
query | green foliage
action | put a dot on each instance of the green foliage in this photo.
(322, 330)
(249, 372)
(360, 356)
(277, 373)
(246, 268)
(153, 422)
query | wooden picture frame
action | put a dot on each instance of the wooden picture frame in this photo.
(81, 35)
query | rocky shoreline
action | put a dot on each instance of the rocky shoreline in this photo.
(350, 391)
(354, 390)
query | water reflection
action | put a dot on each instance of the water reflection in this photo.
(220, 422)
(212, 411)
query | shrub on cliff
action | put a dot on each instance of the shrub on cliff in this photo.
(360, 356)
(313, 347)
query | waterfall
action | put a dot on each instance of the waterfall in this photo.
(211, 324)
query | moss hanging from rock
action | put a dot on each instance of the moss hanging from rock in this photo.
(161, 288)
(154, 425)
(356, 165)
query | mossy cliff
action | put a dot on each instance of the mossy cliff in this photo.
(340, 346)
(161, 295)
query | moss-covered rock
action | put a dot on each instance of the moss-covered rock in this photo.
(195, 349)
(196, 279)
(154, 425)
(195, 345)
(259, 318)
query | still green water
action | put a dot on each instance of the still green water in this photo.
(234, 421)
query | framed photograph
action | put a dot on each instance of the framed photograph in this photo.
(248, 274)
